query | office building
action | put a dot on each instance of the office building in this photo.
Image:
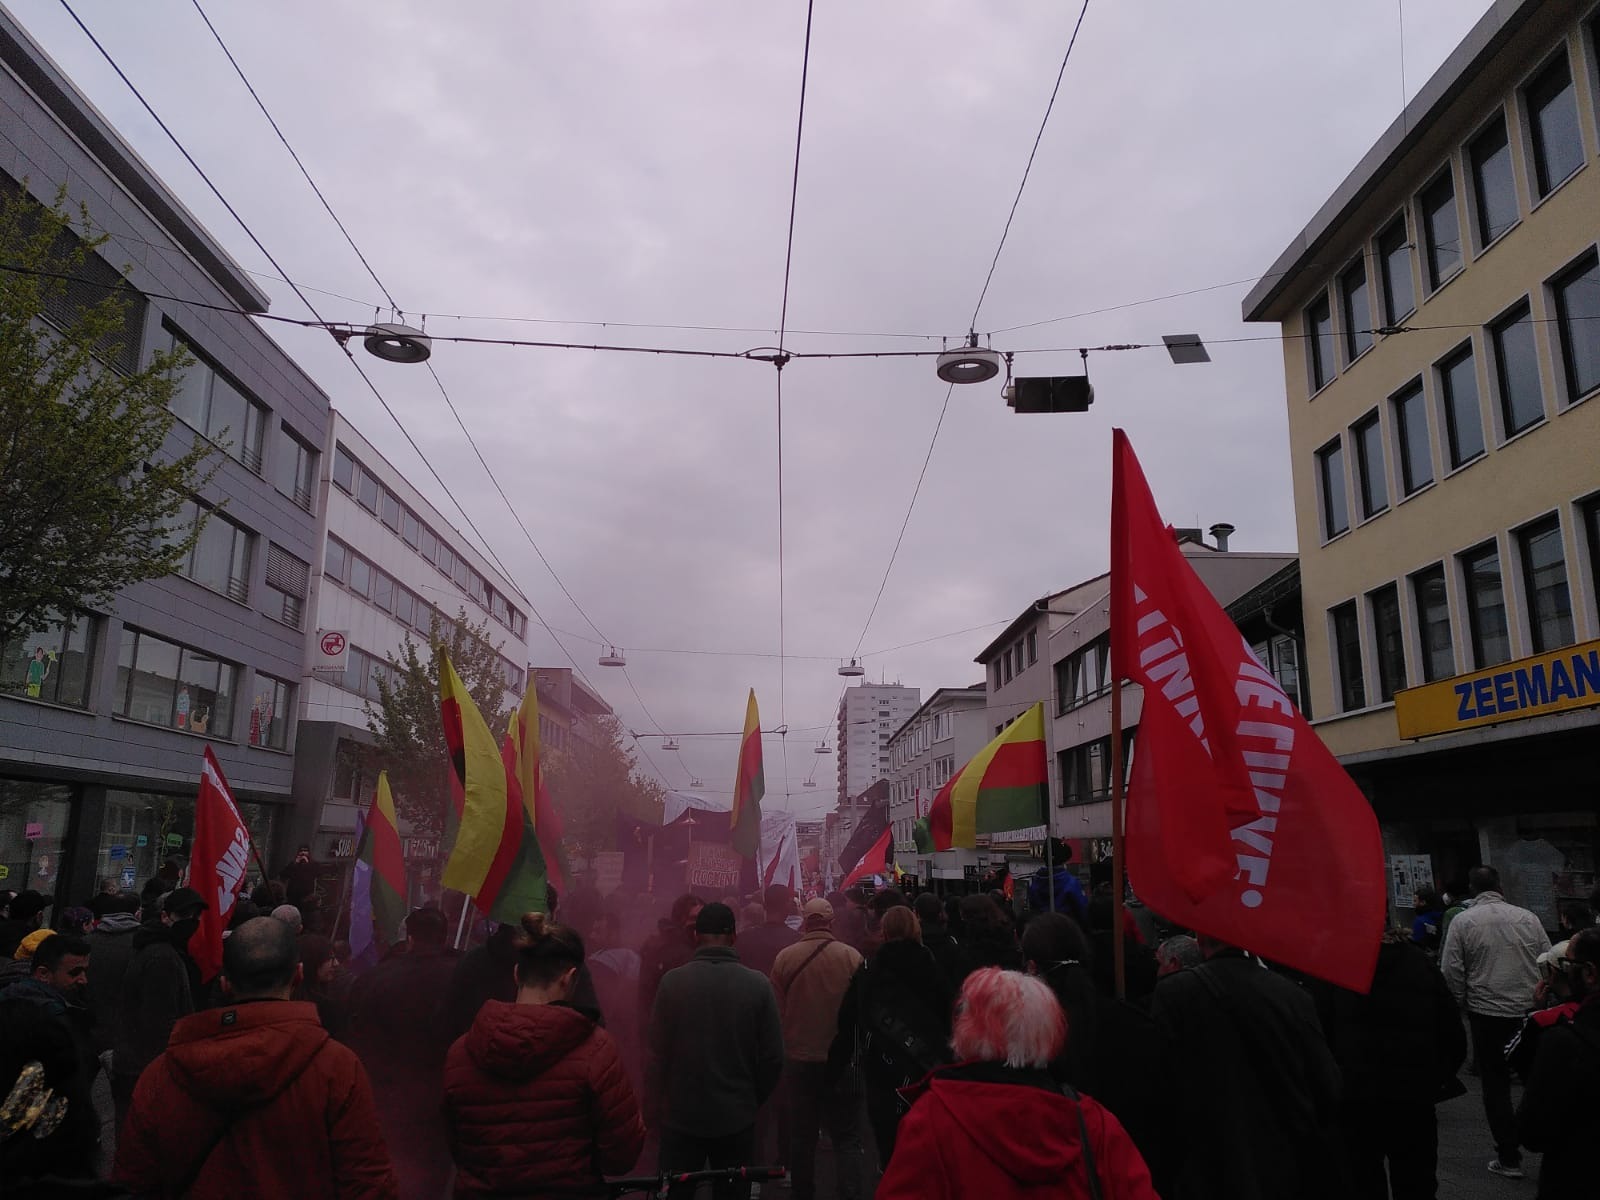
(868, 714)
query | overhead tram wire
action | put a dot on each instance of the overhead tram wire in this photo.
(443, 391)
(778, 361)
(250, 233)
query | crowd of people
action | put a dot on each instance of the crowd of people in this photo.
(943, 1047)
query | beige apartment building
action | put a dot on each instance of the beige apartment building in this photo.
(1441, 322)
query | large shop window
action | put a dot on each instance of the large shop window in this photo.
(208, 402)
(53, 661)
(33, 832)
(146, 833)
(162, 683)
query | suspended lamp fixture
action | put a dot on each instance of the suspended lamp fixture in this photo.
(853, 671)
(397, 343)
(613, 658)
(972, 363)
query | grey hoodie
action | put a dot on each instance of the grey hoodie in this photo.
(110, 948)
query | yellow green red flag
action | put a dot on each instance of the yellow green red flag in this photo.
(749, 785)
(1002, 788)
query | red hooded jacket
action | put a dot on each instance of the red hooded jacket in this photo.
(982, 1129)
(255, 1100)
(536, 1097)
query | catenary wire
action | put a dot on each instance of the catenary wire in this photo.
(1017, 199)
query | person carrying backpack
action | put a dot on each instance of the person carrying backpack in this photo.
(894, 1023)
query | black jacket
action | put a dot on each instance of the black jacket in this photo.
(110, 952)
(715, 1046)
(759, 947)
(946, 953)
(1560, 1108)
(903, 983)
(159, 986)
(1255, 1082)
(1400, 1043)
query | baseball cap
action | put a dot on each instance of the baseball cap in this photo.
(184, 900)
(716, 918)
(29, 904)
(818, 908)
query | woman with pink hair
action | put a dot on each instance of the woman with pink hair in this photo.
(996, 1124)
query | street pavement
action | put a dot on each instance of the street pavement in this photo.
(1465, 1149)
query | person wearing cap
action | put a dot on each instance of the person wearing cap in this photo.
(160, 986)
(715, 1053)
(25, 913)
(810, 979)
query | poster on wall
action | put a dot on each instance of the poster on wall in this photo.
(1407, 873)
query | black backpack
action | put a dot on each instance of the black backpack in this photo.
(887, 1047)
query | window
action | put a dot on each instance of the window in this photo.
(1411, 432)
(1544, 576)
(1005, 661)
(405, 606)
(210, 403)
(1033, 646)
(296, 468)
(1433, 624)
(269, 713)
(220, 559)
(1591, 524)
(478, 588)
(1394, 259)
(382, 590)
(1374, 485)
(52, 661)
(1486, 606)
(344, 468)
(360, 581)
(1347, 657)
(368, 491)
(430, 544)
(287, 580)
(336, 565)
(1335, 504)
(460, 572)
(1441, 229)
(1494, 189)
(1516, 363)
(1319, 341)
(411, 529)
(1463, 420)
(1553, 121)
(162, 683)
(1576, 296)
(1085, 773)
(391, 510)
(1357, 311)
(1390, 641)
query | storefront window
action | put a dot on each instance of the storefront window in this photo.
(144, 831)
(50, 662)
(33, 830)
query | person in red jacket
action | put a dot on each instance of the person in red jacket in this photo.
(996, 1124)
(536, 1099)
(254, 1098)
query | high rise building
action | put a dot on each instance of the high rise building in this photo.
(869, 714)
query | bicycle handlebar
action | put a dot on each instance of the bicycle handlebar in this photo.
(665, 1179)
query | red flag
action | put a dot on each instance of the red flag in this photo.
(871, 862)
(1239, 818)
(218, 858)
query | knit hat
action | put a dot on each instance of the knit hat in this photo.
(30, 943)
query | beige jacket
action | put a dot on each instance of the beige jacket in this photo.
(1490, 957)
(809, 996)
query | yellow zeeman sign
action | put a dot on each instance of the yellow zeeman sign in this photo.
(1530, 687)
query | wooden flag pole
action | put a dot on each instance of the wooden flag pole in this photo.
(1119, 953)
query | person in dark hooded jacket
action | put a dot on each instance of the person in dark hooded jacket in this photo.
(254, 1098)
(996, 1125)
(536, 1098)
(897, 1010)
(111, 947)
(160, 986)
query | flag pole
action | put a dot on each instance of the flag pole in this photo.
(1119, 953)
(466, 904)
(1049, 859)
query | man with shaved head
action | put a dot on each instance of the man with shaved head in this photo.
(254, 1097)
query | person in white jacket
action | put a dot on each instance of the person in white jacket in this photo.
(1490, 961)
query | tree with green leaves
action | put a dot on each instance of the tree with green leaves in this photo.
(89, 502)
(594, 778)
(405, 720)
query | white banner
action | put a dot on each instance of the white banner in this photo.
(780, 851)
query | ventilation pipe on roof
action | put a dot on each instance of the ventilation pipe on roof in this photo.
(1221, 532)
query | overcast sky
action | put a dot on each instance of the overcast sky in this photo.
(630, 162)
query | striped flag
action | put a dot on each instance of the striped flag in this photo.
(488, 831)
(381, 905)
(1002, 788)
(749, 785)
(540, 859)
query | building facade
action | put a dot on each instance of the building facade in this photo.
(387, 565)
(1441, 321)
(933, 744)
(101, 742)
(869, 713)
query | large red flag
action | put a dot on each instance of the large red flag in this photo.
(873, 862)
(217, 862)
(1241, 824)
